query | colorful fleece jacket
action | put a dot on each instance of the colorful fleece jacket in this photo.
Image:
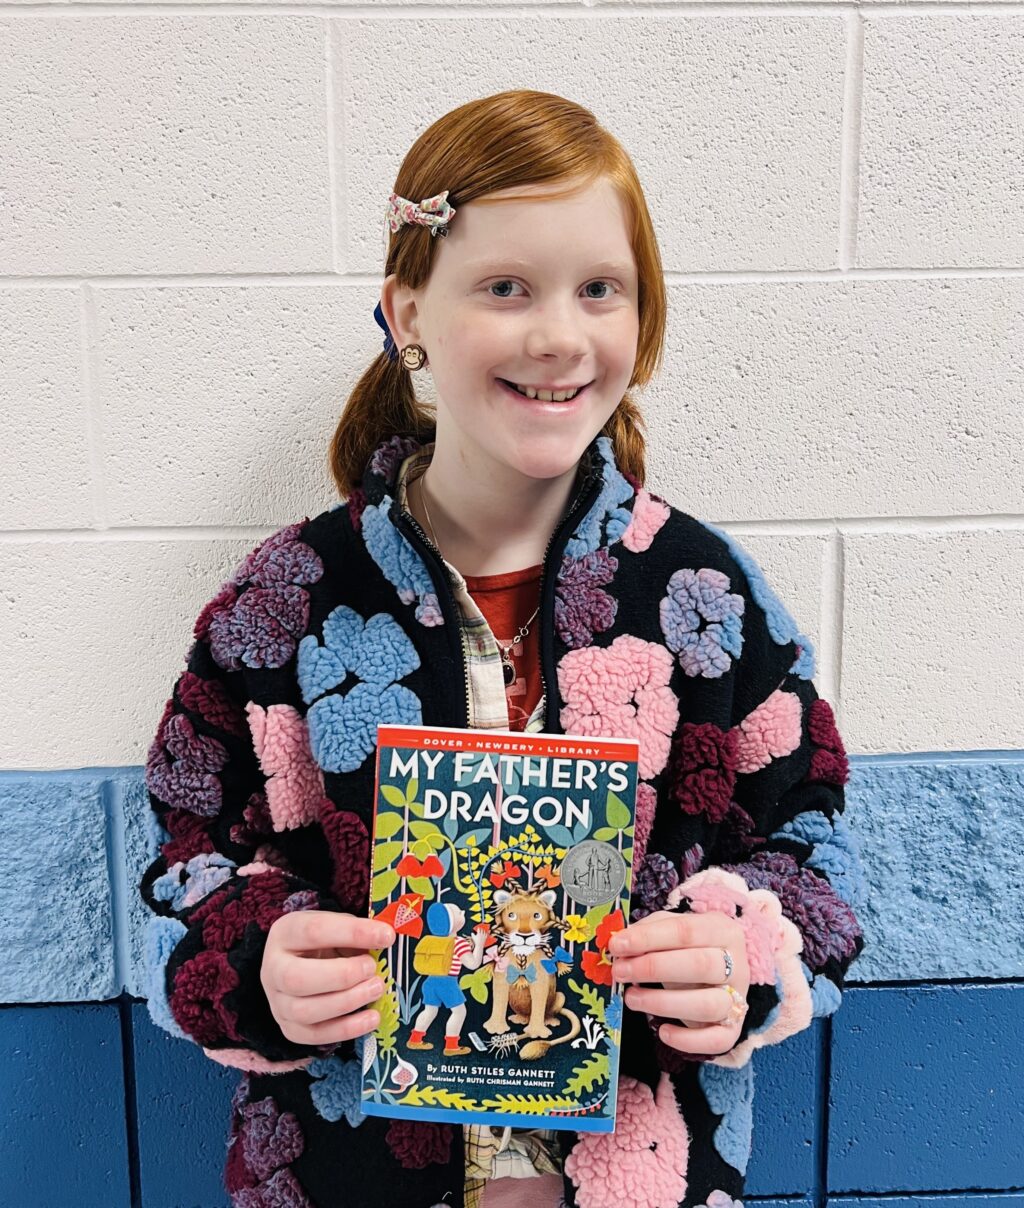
(261, 781)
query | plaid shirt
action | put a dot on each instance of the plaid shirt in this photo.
(490, 1152)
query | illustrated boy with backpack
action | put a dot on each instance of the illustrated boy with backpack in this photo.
(439, 956)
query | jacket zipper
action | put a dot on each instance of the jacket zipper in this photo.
(410, 520)
(587, 494)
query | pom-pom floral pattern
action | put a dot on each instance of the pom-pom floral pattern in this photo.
(295, 784)
(829, 762)
(182, 767)
(378, 652)
(829, 927)
(702, 621)
(261, 626)
(621, 689)
(264, 1142)
(417, 1143)
(702, 770)
(608, 518)
(770, 731)
(581, 607)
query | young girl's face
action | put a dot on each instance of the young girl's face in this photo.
(542, 293)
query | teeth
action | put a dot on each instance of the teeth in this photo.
(548, 396)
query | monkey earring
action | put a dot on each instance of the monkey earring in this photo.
(413, 356)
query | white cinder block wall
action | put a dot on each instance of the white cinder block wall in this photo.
(191, 207)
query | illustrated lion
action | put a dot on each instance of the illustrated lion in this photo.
(520, 983)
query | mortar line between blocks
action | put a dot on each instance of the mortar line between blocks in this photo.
(117, 879)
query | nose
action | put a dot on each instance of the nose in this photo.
(556, 333)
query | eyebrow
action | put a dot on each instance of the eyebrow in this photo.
(510, 262)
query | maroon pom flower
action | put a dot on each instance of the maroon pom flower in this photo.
(209, 698)
(829, 762)
(417, 1143)
(188, 836)
(349, 843)
(197, 1001)
(702, 769)
(356, 504)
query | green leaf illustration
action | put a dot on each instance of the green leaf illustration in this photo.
(393, 795)
(529, 1105)
(606, 833)
(436, 1096)
(593, 1071)
(476, 982)
(423, 885)
(589, 996)
(619, 816)
(387, 1005)
(411, 789)
(384, 884)
(385, 854)
(387, 824)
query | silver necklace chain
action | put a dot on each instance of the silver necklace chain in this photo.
(508, 669)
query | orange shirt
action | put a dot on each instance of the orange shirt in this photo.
(508, 602)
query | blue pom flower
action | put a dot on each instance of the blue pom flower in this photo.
(343, 727)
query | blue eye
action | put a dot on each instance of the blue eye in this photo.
(506, 281)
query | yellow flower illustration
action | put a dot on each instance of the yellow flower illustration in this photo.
(578, 930)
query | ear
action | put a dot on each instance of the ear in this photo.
(501, 896)
(548, 897)
(401, 311)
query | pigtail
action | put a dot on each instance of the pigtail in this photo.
(382, 404)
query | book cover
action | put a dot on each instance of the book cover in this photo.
(503, 860)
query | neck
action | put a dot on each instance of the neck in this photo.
(488, 528)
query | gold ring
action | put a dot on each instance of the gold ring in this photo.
(739, 1005)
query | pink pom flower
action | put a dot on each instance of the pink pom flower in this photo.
(622, 689)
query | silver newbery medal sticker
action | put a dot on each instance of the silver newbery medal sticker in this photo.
(593, 872)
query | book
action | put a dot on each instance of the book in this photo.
(503, 860)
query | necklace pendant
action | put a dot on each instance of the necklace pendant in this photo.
(509, 671)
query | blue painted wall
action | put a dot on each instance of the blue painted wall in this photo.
(909, 1097)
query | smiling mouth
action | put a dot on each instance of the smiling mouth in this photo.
(535, 399)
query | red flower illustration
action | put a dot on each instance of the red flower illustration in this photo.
(607, 928)
(405, 914)
(511, 870)
(597, 967)
(409, 866)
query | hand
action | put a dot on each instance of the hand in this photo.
(316, 972)
(682, 953)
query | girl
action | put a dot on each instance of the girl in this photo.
(498, 562)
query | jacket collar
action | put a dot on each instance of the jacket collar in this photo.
(381, 476)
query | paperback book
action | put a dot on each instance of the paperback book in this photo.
(503, 860)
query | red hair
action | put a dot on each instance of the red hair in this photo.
(515, 138)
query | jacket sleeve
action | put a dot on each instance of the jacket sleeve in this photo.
(218, 883)
(783, 859)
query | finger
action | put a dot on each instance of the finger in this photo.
(704, 966)
(708, 1005)
(304, 976)
(318, 929)
(664, 929)
(348, 1027)
(319, 1008)
(713, 1040)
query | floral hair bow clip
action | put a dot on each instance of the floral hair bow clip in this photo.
(433, 212)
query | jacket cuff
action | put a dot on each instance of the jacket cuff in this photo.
(204, 977)
(773, 947)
